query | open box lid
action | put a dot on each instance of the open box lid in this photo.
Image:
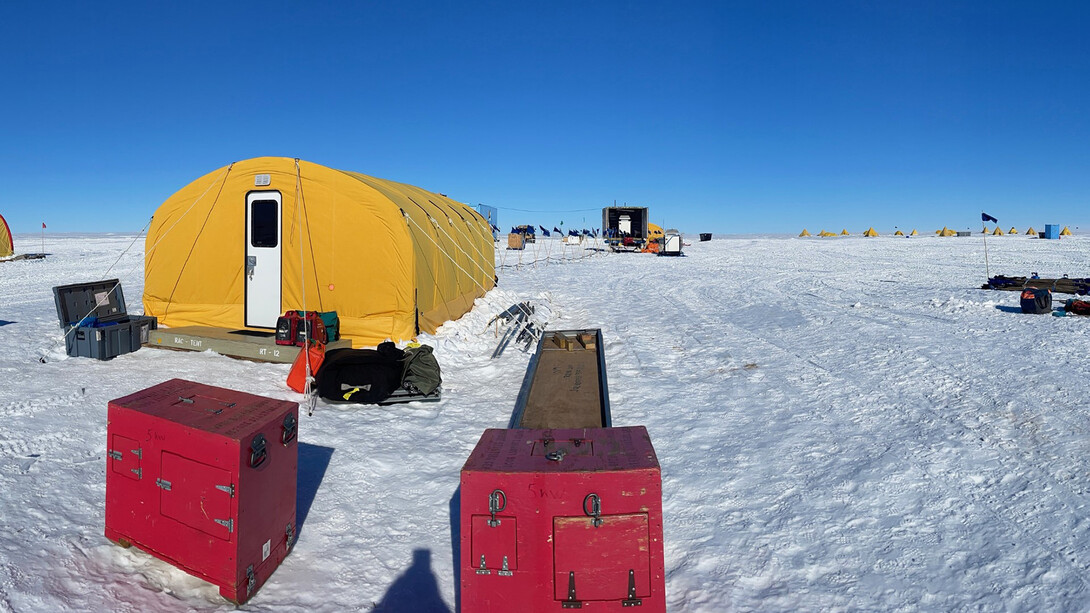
(87, 302)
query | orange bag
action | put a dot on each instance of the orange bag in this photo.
(297, 377)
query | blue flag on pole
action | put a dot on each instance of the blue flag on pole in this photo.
(986, 218)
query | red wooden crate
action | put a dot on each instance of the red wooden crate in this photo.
(561, 519)
(204, 478)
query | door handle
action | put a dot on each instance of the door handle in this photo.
(251, 264)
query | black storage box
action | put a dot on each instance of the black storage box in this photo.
(96, 324)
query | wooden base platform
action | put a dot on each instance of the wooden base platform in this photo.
(245, 344)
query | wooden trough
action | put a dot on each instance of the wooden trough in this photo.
(565, 384)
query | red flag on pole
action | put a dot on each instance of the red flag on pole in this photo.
(43, 225)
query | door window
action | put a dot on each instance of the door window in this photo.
(264, 222)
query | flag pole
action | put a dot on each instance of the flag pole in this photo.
(43, 238)
(987, 267)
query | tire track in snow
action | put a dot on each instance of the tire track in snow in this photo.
(1022, 509)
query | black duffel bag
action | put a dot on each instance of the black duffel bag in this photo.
(1036, 300)
(365, 376)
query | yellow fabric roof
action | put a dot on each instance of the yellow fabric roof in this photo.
(804, 232)
(6, 246)
(390, 258)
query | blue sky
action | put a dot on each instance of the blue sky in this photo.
(720, 116)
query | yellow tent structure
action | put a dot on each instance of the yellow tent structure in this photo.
(997, 232)
(654, 231)
(1065, 231)
(946, 232)
(804, 232)
(239, 246)
(1013, 230)
(844, 232)
(7, 247)
(870, 232)
(824, 233)
(898, 233)
(654, 238)
(914, 232)
(1031, 232)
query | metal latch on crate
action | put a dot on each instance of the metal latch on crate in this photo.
(163, 483)
(114, 454)
(595, 509)
(251, 580)
(496, 506)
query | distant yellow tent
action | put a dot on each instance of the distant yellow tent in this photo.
(898, 233)
(6, 246)
(654, 231)
(1031, 232)
(844, 232)
(804, 232)
(947, 232)
(824, 233)
(998, 231)
(870, 232)
(1065, 232)
(914, 232)
(1013, 230)
(242, 244)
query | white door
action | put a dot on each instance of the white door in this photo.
(262, 259)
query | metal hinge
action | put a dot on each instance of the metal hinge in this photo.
(136, 471)
(504, 570)
(226, 523)
(483, 568)
(137, 452)
(631, 601)
(230, 489)
(571, 602)
(163, 483)
(289, 534)
(114, 454)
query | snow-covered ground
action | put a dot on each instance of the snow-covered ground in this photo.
(843, 424)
